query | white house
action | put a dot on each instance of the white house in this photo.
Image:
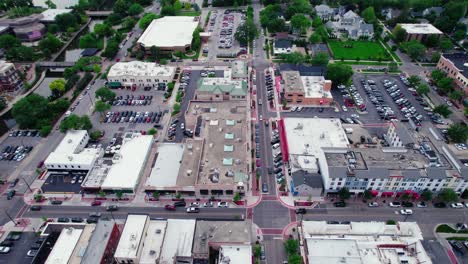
(352, 25)
(282, 46)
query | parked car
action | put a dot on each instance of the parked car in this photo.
(301, 211)
(421, 205)
(340, 204)
(456, 205)
(440, 205)
(63, 220)
(223, 204)
(395, 204)
(56, 202)
(10, 194)
(112, 208)
(406, 211)
(208, 204)
(170, 207)
(265, 187)
(13, 236)
(4, 250)
(96, 203)
(32, 253)
(180, 204)
(193, 210)
(35, 208)
(92, 220)
(95, 214)
(373, 204)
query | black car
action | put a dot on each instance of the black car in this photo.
(440, 205)
(112, 208)
(301, 211)
(35, 208)
(13, 183)
(277, 170)
(265, 187)
(10, 194)
(56, 202)
(77, 219)
(63, 220)
(6, 243)
(407, 204)
(180, 204)
(92, 220)
(339, 204)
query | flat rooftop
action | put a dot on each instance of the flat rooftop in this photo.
(313, 87)
(364, 242)
(224, 130)
(71, 142)
(50, 14)
(169, 31)
(178, 242)
(98, 242)
(131, 237)
(292, 82)
(129, 163)
(235, 254)
(239, 69)
(166, 168)
(215, 232)
(153, 241)
(140, 69)
(307, 136)
(83, 244)
(63, 249)
(420, 29)
(191, 159)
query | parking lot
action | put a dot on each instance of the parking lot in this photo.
(14, 149)
(63, 183)
(223, 26)
(19, 249)
(189, 92)
(137, 110)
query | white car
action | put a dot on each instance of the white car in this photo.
(373, 204)
(421, 205)
(457, 205)
(223, 204)
(208, 204)
(406, 211)
(4, 250)
(344, 108)
(395, 204)
(194, 204)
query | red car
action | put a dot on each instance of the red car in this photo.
(96, 203)
(169, 207)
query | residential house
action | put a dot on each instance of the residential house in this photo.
(437, 10)
(282, 46)
(351, 25)
(325, 12)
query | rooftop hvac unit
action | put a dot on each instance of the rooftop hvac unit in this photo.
(158, 231)
(189, 146)
(189, 172)
(152, 252)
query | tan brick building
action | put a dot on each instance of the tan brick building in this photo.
(305, 90)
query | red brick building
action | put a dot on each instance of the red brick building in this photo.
(9, 78)
(305, 90)
(456, 67)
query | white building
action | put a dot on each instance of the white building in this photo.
(65, 245)
(128, 163)
(131, 240)
(71, 153)
(363, 243)
(60, 4)
(50, 14)
(166, 168)
(140, 74)
(178, 242)
(152, 244)
(282, 46)
(235, 254)
(170, 33)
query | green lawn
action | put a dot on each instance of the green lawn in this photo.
(362, 50)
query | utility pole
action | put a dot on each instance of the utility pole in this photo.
(27, 184)
(8, 215)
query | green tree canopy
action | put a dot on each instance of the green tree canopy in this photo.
(88, 41)
(50, 42)
(246, 32)
(414, 49)
(456, 95)
(321, 58)
(291, 246)
(57, 86)
(442, 110)
(103, 29)
(8, 41)
(105, 94)
(437, 75)
(29, 110)
(300, 22)
(414, 80)
(75, 122)
(66, 21)
(399, 34)
(458, 132)
(445, 44)
(101, 106)
(135, 9)
(448, 195)
(146, 20)
(369, 15)
(294, 57)
(423, 89)
(426, 195)
(339, 73)
(344, 193)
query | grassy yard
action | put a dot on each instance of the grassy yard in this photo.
(362, 50)
(189, 13)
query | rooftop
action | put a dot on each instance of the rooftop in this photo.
(216, 232)
(304, 70)
(82, 245)
(292, 81)
(239, 69)
(224, 131)
(191, 159)
(138, 68)
(420, 29)
(364, 242)
(63, 249)
(98, 242)
(283, 43)
(222, 85)
(132, 234)
(4, 65)
(460, 60)
(235, 254)
(50, 14)
(166, 168)
(153, 242)
(313, 87)
(72, 141)
(179, 242)
(128, 163)
(169, 31)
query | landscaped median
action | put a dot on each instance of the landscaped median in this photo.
(444, 228)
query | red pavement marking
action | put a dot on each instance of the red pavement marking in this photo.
(269, 198)
(272, 231)
(452, 256)
(21, 212)
(250, 213)
(292, 215)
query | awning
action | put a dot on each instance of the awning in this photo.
(387, 193)
(114, 84)
(374, 192)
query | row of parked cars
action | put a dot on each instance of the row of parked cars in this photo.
(194, 207)
(24, 133)
(132, 100)
(226, 35)
(15, 153)
(269, 86)
(352, 97)
(277, 157)
(184, 80)
(406, 107)
(376, 97)
(133, 117)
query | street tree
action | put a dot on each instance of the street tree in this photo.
(246, 32)
(339, 73)
(445, 44)
(369, 15)
(29, 110)
(437, 75)
(8, 41)
(426, 195)
(458, 132)
(103, 29)
(445, 85)
(293, 58)
(315, 38)
(442, 110)
(135, 9)
(448, 195)
(414, 49)
(317, 22)
(300, 22)
(75, 122)
(101, 107)
(423, 89)
(320, 58)
(146, 20)
(105, 94)
(57, 86)
(464, 195)
(456, 95)
(291, 246)
(344, 193)
(414, 80)
(399, 34)
(368, 195)
(294, 259)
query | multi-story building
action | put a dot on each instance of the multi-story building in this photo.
(139, 74)
(305, 90)
(27, 29)
(455, 66)
(420, 32)
(352, 25)
(9, 79)
(221, 89)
